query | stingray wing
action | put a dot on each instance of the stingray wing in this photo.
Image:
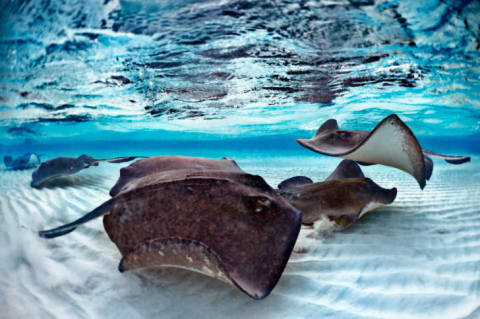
(294, 182)
(346, 169)
(157, 169)
(54, 168)
(64, 166)
(390, 143)
(341, 200)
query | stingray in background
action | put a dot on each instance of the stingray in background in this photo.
(344, 197)
(63, 166)
(199, 214)
(390, 143)
(25, 161)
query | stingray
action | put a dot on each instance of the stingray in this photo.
(344, 197)
(63, 166)
(203, 215)
(26, 161)
(390, 143)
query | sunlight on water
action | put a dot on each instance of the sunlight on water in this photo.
(234, 66)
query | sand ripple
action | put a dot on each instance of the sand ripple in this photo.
(418, 258)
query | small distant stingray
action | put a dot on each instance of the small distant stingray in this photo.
(62, 166)
(344, 197)
(390, 143)
(26, 161)
(204, 215)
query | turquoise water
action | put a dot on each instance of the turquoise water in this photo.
(189, 70)
(242, 79)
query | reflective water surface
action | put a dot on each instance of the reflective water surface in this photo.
(237, 67)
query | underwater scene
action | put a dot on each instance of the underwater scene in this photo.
(240, 159)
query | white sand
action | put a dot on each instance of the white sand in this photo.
(418, 258)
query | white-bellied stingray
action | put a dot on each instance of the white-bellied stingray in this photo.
(199, 214)
(344, 197)
(63, 166)
(26, 161)
(390, 143)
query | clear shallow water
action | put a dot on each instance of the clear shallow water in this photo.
(241, 79)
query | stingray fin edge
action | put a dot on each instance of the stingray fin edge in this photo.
(330, 124)
(419, 173)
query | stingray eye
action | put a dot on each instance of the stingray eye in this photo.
(259, 204)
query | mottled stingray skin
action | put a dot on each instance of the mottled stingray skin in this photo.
(390, 143)
(163, 168)
(203, 215)
(344, 197)
(62, 166)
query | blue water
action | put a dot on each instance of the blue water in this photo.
(188, 70)
(244, 79)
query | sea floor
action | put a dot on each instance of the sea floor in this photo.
(416, 258)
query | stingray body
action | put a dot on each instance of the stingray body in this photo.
(63, 166)
(199, 214)
(165, 168)
(390, 143)
(26, 161)
(344, 197)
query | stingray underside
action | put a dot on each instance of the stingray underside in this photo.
(391, 143)
(177, 253)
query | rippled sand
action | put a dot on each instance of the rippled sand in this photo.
(418, 258)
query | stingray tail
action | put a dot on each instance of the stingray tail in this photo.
(67, 228)
(452, 159)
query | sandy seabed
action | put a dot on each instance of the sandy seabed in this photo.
(417, 258)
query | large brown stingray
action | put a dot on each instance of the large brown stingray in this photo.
(344, 197)
(390, 143)
(200, 214)
(62, 166)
